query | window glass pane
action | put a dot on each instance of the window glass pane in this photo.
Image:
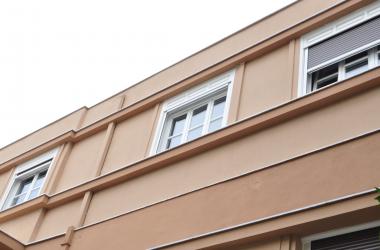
(357, 68)
(174, 141)
(218, 108)
(194, 133)
(18, 199)
(356, 57)
(177, 125)
(24, 186)
(325, 76)
(215, 125)
(198, 116)
(34, 193)
(40, 179)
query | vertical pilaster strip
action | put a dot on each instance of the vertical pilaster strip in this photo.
(285, 243)
(121, 103)
(154, 124)
(40, 218)
(58, 168)
(104, 148)
(84, 208)
(98, 167)
(81, 118)
(291, 63)
(68, 237)
(11, 174)
(233, 113)
(295, 243)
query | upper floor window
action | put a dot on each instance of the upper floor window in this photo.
(340, 50)
(196, 112)
(365, 236)
(28, 180)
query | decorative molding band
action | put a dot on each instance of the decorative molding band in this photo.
(282, 113)
(261, 220)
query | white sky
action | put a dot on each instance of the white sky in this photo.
(48, 48)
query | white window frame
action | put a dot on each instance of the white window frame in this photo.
(357, 17)
(24, 171)
(190, 100)
(306, 241)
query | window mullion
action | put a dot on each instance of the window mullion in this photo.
(341, 71)
(187, 126)
(372, 58)
(206, 123)
(31, 186)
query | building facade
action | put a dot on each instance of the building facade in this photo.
(268, 139)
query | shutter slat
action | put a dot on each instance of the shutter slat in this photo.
(345, 42)
(368, 239)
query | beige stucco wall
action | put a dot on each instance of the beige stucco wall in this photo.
(299, 136)
(80, 165)
(57, 220)
(130, 141)
(266, 83)
(41, 136)
(21, 228)
(262, 245)
(229, 46)
(52, 244)
(292, 185)
(4, 180)
(101, 110)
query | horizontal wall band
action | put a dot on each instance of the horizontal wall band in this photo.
(235, 227)
(98, 184)
(277, 115)
(275, 216)
(266, 45)
(237, 176)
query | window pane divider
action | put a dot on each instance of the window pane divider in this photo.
(186, 126)
(208, 116)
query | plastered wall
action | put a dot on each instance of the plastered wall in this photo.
(41, 136)
(79, 166)
(130, 141)
(4, 180)
(296, 137)
(291, 185)
(266, 83)
(21, 228)
(57, 220)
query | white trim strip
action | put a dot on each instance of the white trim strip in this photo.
(290, 212)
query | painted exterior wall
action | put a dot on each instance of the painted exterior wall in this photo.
(306, 163)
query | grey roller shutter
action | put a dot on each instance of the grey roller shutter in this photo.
(368, 239)
(344, 42)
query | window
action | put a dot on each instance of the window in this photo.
(364, 236)
(194, 113)
(28, 180)
(340, 50)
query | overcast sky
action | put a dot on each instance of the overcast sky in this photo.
(49, 48)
